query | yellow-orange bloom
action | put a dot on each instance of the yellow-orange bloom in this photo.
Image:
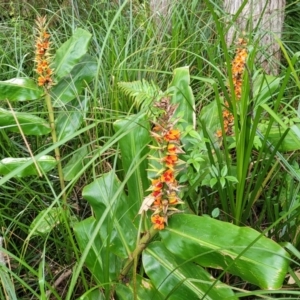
(157, 184)
(171, 160)
(168, 176)
(158, 222)
(172, 135)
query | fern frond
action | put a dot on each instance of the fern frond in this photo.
(141, 91)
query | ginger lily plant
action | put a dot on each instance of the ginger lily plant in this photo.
(129, 219)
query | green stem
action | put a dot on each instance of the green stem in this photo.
(56, 150)
(137, 251)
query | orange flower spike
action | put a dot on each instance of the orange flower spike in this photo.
(42, 46)
(158, 222)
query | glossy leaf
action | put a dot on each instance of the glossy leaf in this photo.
(107, 192)
(134, 148)
(72, 84)
(75, 164)
(290, 143)
(70, 53)
(264, 87)
(217, 244)
(144, 287)
(182, 95)
(93, 294)
(210, 117)
(99, 251)
(20, 89)
(45, 221)
(177, 279)
(46, 163)
(70, 118)
(30, 124)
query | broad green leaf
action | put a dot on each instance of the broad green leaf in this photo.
(290, 143)
(70, 53)
(46, 220)
(182, 95)
(30, 124)
(75, 164)
(291, 140)
(72, 84)
(46, 163)
(70, 118)
(20, 89)
(217, 244)
(144, 287)
(264, 87)
(93, 294)
(134, 148)
(210, 117)
(176, 279)
(107, 192)
(99, 251)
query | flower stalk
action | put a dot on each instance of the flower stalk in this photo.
(44, 72)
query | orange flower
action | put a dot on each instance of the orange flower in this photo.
(172, 135)
(156, 193)
(157, 184)
(173, 199)
(157, 201)
(171, 160)
(172, 149)
(158, 222)
(168, 176)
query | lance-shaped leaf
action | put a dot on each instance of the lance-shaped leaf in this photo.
(98, 252)
(134, 148)
(210, 117)
(70, 53)
(76, 163)
(70, 118)
(20, 89)
(107, 192)
(241, 251)
(182, 95)
(45, 221)
(30, 124)
(92, 294)
(264, 87)
(73, 83)
(144, 288)
(176, 279)
(291, 141)
(45, 163)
